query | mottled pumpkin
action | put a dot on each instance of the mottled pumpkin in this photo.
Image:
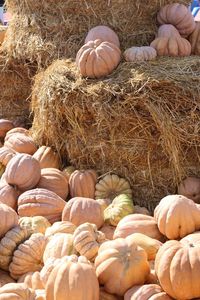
(21, 143)
(146, 292)
(8, 195)
(60, 227)
(37, 224)
(32, 280)
(104, 33)
(82, 183)
(5, 126)
(8, 217)
(194, 39)
(47, 157)
(16, 291)
(144, 53)
(190, 188)
(5, 155)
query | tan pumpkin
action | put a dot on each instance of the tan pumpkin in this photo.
(32, 280)
(137, 223)
(146, 292)
(23, 171)
(82, 183)
(5, 155)
(81, 210)
(16, 291)
(178, 15)
(68, 171)
(37, 224)
(60, 227)
(60, 244)
(151, 246)
(110, 186)
(41, 202)
(144, 53)
(8, 195)
(76, 279)
(108, 230)
(177, 266)
(5, 278)
(8, 217)
(21, 143)
(5, 126)
(47, 157)
(103, 33)
(141, 210)
(54, 180)
(173, 218)
(87, 240)
(194, 39)
(171, 46)
(120, 265)
(15, 130)
(28, 257)
(97, 59)
(190, 188)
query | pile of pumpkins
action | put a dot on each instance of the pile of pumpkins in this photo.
(68, 234)
(178, 36)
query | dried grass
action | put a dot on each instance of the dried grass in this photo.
(45, 30)
(142, 122)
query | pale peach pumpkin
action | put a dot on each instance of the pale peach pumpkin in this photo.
(47, 157)
(8, 195)
(82, 183)
(6, 154)
(144, 53)
(32, 280)
(146, 292)
(8, 217)
(104, 33)
(5, 126)
(16, 291)
(60, 227)
(21, 143)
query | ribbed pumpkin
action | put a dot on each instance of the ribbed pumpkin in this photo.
(37, 224)
(81, 210)
(49, 265)
(177, 266)
(32, 280)
(5, 126)
(23, 171)
(168, 30)
(47, 157)
(16, 291)
(137, 223)
(87, 240)
(110, 186)
(21, 143)
(5, 278)
(28, 256)
(194, 39)
(190, 188)
(178, 15)
(82, 183)
(97, 59)
(103, 33)
(54, 180)
(144, 53)
(76, 279)
(8, 195)
(108, 230)
(41, 202)
(173, 218)
(15, 130)
(61, 244)
(120, 265)
(5, 155)
(146, 292)
(120, 207)
(60, 227)
(8, 217)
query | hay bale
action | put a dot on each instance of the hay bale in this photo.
(43, 31)
(142, 122)
(15, 87)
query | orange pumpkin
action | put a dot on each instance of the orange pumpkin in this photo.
(146, 292)
(21, 143)
(97, 59)
(8, 217)
(47, 158)
(82, 183)
(8, 195)
(190, 188)
(5, 126)
(103, 33)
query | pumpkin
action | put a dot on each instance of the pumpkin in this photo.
(97, 59)
(171, 46)
(120, 265)
(5, 155)
(177, 266)
(47, 158)
(192, 239)
(68, 171)
(82, 183)
(5, 126)
(76, 279)
(108, 230)
(8, 195)
(106, 296)
(49, 265)
(28, 256)
(140, 53)
(104, 203)
(8, 217)
(37, 224)
(81, 210)
(141, 210)
(60, 244)
(21, 143)
(194, 39)
(103, 33)
(41, 202)
(178, 15)
(151, 246)
(5, 278)
(168, 30)
(146, 292)
(32, 280)
(87, 239)
(137, 223)
(110, 186)
(15, 130)
(23, 171)
(120, 207)
(173, 218)
(9, 243)
(54, 180)
(60, 227)
(190, 188)
(16, 291)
